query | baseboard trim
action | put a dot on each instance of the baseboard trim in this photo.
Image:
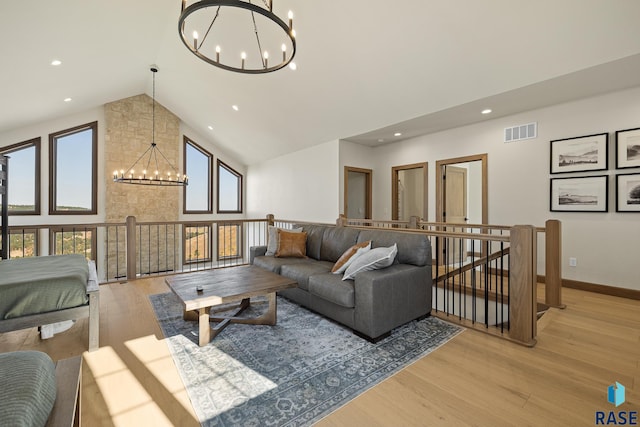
(598, 289)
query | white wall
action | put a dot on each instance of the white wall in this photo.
(357, 156)
(605, 244)
(297, 186)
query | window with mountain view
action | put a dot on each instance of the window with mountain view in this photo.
(73, 241)
(197, 243)
(229, 189)
(24, 177)
(73, 170)
(23, 243)
(197, 166)
(229, 241)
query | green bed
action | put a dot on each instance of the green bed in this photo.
(48, 289)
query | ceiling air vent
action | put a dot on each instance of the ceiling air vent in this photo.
(518, 133)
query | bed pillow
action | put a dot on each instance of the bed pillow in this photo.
(375, 259)
(293, 245)
(350, 255)
(272, 240)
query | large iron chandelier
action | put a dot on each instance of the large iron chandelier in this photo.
(265, 44)
(143, 171)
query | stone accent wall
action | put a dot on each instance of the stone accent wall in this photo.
(128, 134)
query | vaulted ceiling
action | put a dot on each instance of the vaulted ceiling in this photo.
(366, 68)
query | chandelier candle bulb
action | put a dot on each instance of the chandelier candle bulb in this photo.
(217, 53)
(195, 40)
(266, 59)
(284, 52)
(290, 15)
(243, 56)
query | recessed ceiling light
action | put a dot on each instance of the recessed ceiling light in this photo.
(397, 134)
(293, 66)
(210, 127)
(56, 62)
(486, 111)
(235, 107)
(67, 100)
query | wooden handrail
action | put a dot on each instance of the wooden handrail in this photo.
(477, 263)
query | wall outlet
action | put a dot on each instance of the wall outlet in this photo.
(573, 262)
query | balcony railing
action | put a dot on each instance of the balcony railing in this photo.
(484, 276)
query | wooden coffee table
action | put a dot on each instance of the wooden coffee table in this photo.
(201, 291)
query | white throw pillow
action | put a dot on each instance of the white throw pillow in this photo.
(272, 240)
(375, 259)
(357, 254)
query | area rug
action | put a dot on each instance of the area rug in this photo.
(290, 374)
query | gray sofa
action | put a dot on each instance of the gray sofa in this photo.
(374, 302)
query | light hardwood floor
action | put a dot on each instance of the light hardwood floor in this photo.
(475, 379)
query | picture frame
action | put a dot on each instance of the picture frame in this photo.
(581, 194)
(628, 192)
(580, 154)
(628, 148)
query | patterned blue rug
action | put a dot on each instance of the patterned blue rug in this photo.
(291, 374)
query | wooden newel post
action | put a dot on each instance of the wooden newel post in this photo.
(271, 219)
(553, 263)
(413, 222)
(131, 248)
(522, 284)
(341, 221)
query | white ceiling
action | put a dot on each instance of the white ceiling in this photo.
(366, 68)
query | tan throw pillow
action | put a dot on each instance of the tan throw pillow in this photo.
(349, 256)
(272, 241)
(292, 245)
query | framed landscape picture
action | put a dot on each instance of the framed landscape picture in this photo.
(585, 194)
(580, 154)
(628, 192)
(628, 148)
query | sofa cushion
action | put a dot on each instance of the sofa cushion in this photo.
(301, 272)
(275, 264)
(272, 238)
(350, 255)
(413, 248)
(330, 287)
(375, 259)
(335, 241)
(314, 238)
(291, 244)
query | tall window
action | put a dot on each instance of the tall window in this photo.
(73, 170)
(197, 166)
(229, 189)
(197, 243)
(24, 177)
(73, 241)
(23, 243)
(229, 241)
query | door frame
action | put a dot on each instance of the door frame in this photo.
(368, 189)
(440, 186)
(394, 187)
(440, 192)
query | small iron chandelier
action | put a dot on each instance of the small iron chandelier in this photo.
(143, 175)
(200, 17)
